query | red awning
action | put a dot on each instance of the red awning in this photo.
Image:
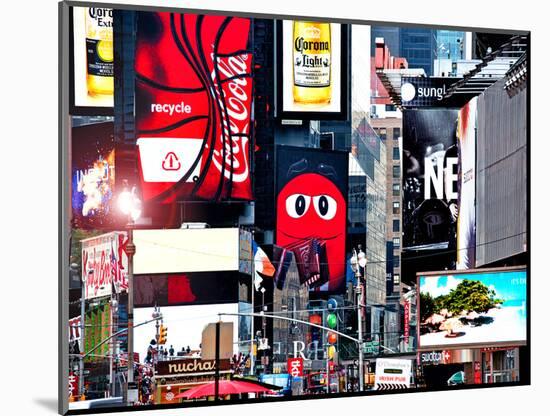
(225, 387)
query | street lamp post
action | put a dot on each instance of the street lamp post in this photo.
(82, 333)
(130, 250)
(357, 261)
(252, 290)
(130, 205)
(114, 323)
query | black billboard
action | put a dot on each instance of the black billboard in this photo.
(175, 289)
(430, 176)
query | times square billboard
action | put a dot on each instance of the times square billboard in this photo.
(177, 107)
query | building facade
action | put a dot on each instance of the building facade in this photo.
(419, 47)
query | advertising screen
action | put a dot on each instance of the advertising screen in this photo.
(93, 175)
(185, 289)
(312, 189)
(458, 310)
(193, 96)
(313, 71)
(430, 165)
(105, 264)
(466, 223)
(92, 60)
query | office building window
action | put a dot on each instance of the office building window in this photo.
(396, 242)
(396, 207)
(396, 133)
(396, 262)
(395, 226)
(396, 279)
(396, 153)
(396, 171)
(396, 189)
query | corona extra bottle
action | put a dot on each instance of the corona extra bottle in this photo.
(312, 62)
(99, 50)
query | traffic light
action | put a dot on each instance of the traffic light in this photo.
(332, 321)
(163, 334)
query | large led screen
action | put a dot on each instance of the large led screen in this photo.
(472, 308)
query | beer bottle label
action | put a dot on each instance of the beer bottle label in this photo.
(312, 59)
(99, 41)
(100, 57)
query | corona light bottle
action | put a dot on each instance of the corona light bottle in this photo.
(99, 50)
(312, 62)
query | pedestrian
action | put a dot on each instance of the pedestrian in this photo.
(171, 350)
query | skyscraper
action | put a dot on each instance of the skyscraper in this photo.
(450, 44)
(419, 47)
(391, 35)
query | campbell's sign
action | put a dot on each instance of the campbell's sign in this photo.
(105, 264)
(190, 366)
(193, 107)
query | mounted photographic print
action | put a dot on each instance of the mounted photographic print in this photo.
(261, 208)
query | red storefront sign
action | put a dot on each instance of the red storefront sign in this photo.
(193, 106)
(73, 385)
(406, 321)
(477, 372)
(295, 367)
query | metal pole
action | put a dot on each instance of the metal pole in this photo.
(252, 289)
(360, 334)
(130, 250)
(114, 343)
(328, 369)
(82, 328)
(217, 369)
(112, 349)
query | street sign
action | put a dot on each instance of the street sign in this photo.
(371, 347)
(295, 367)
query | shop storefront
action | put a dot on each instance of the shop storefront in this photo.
(176, 376)
(500, 365)
(442, 368)
(469, 366)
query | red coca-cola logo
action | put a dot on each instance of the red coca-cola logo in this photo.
(202, 61)
(236, 120)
